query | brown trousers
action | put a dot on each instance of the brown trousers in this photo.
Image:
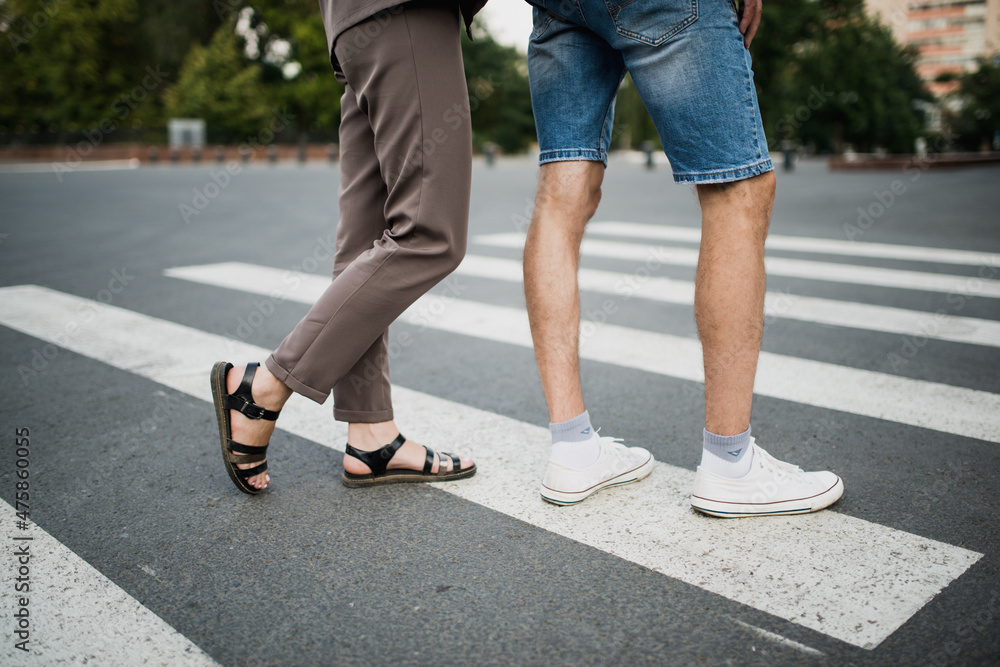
(405, 177)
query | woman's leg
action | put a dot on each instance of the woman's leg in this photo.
(408, 82)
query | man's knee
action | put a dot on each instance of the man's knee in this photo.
(571, 188)
(740, 206)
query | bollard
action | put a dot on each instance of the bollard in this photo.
(196, 154)
(490, 150)
(175, 155)
(331, 153)
(788, 150)
(154, 154)
(647, 148)
(220, 154)
(302, 154)
(272, 154)
(244, 154)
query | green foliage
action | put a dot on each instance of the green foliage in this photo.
(312, 96)
(829, 75)
(826, 75)
(64, 64)
(978, 98)
(217, 85)
(632, 126)
(498, 93)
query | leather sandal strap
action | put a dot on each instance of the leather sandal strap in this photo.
(378, 459)
(429, 461)
(242, 401)
(240, 459)
(240, 448)
(250, 472)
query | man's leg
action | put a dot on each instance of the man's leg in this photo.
(580, 464)
(567, 197)
(729, 296)
(737, 478)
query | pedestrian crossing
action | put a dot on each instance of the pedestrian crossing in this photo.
(854, 580)
(79, 616)
(786, 267)
(955, 410)
(778, 305)
(805, 244)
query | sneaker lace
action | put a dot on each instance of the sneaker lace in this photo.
(772, 463)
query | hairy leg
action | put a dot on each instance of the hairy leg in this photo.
(568, 195)
(729, 296)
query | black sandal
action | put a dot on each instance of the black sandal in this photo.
(241, 400)
(379, 459)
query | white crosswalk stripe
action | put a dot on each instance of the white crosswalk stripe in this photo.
(937, 406)
(784, 305)
(852, 579)
(805, 244)
(783, 266)
(79, 616)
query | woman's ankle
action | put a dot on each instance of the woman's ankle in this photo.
(268, 390)
(371, 436)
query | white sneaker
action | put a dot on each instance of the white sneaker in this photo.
(771, 487)
(616, 465)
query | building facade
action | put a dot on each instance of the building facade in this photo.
(949, 34)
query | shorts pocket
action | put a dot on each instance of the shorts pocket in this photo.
(541, 20)
(652, 21)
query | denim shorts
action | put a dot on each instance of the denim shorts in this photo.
(689, 66)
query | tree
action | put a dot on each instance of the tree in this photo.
(217, 85)
(499, 95)
(978, 98)
(64, 65)
(289, 45)
(829, 75)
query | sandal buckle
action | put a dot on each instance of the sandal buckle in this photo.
(250, 410)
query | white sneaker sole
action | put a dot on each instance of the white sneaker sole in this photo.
(732, 510)
(571, 498)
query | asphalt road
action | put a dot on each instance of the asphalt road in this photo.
(141, 523)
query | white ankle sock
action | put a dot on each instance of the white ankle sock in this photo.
(574, 442)
(727, 455)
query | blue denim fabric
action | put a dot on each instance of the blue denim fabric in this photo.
(689, 66)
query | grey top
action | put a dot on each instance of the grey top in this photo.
(339, 15)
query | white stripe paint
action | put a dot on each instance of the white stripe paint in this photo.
(781, 266)
(805, 244)
(941, 407)
(62, 168)
(79, 616)
(782, 641)
(841, 576)
(642, 285)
